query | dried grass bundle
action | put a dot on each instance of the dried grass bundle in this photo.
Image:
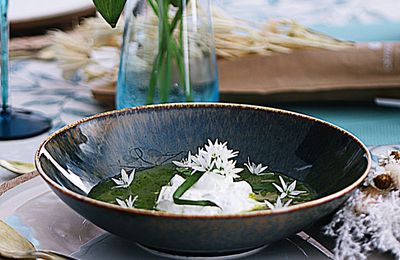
(93, 48)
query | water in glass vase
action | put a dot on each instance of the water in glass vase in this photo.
(132, 92)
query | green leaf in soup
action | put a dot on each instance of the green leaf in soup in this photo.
(110, 10)
(187, 184)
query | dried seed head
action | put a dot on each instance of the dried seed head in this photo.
(383, 181)
(395, 154)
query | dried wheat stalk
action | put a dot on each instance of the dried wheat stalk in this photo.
(93, 48)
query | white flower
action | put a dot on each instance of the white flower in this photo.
(286, 190)
(219, 150)
(255, 169)
(185, 163)
(128, 203)
(278, 204)
(202, 162)
(215, 158)
(125, 180)
(228, 168)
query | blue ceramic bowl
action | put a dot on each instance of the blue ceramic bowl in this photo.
(79, 156)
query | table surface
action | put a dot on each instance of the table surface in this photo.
(39, 86)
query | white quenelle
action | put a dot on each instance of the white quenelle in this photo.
(230, 196)
(216, 184)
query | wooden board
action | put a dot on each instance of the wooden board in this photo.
(355, 74)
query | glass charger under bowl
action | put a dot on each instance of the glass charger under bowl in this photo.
(27, 202)
(26, 208)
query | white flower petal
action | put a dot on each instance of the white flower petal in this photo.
(269, 204)
(236, 170)
(278, 187)
(263, 168)
(297, 192)
(131, 177)
(121, 203)
(124, 176)
(265, 173)
(118, 182)
(179, 164)
(292, 186)
(284, 186)
(287, 203)
(278, 203)
(128, 203)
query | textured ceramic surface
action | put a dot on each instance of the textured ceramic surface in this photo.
(79, 156)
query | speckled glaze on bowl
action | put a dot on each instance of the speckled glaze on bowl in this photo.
(76, 158)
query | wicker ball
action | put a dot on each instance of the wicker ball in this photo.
(383, 181)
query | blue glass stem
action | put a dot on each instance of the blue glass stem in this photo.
(15, 124)
(4, 55)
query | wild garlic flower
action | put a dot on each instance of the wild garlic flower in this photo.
(202, 162)
(184, 163)
(215, 158)
(287, 190)
(128, 203)
(219, 150)
(255, 169)
(278, 204)
(228, 168)
(126, 180)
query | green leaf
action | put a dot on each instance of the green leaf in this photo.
(184, 171)
(176, 3)
(189, 182)
(167, 79)
(110, 10)
(153, 6)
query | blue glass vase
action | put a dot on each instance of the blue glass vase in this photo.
(168, 54)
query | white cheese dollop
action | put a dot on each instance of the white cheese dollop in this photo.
(230, 196)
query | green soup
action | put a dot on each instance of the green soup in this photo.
(148, 183)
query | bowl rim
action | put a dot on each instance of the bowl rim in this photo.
(153, 213)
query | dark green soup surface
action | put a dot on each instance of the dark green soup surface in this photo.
(148, 183)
